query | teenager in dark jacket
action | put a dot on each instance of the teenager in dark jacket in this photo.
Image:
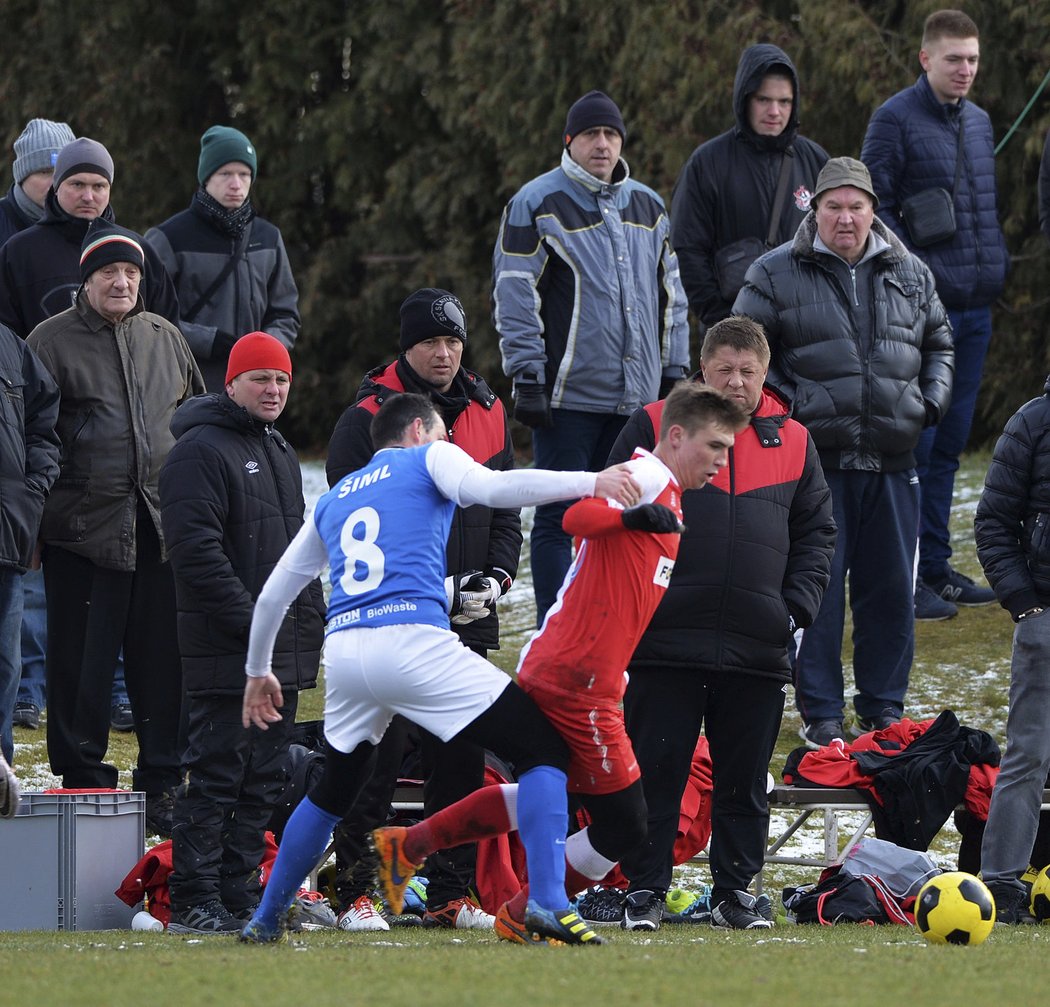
(752, 567)
(483, 539)
(40, 266)
(1013, 545)
(228, 265)
(231, 502)
(727, 188)
(36, 151)
(932, 136)
(861, 345)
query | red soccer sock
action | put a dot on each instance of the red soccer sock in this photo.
(479, 815)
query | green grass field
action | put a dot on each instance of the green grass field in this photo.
(962, 664)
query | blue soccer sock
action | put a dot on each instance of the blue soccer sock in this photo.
(305, 837)
(543, 818)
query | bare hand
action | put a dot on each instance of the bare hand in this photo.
(617, 483)
(262, 702)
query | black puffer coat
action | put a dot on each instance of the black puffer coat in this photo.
(1012, 526)
(231, 500)
(864, 405)
(40, 271)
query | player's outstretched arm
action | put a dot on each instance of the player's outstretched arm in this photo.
(617, 483)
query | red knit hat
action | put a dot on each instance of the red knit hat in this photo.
(258, 351)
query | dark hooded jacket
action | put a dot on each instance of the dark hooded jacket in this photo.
(40, 271)
(231, 497)
(481, 538)
(755, 558)
(12, 219)
(726, 189)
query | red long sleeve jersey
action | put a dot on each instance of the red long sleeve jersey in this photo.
(609, 594)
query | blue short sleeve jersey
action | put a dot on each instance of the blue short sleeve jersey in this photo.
(385, 527)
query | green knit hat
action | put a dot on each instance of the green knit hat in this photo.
(219, 146)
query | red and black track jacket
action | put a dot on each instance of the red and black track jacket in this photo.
(481, 538)
(756, 553)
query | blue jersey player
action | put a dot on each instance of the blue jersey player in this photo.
(382, 530)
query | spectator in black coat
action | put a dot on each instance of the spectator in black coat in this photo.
(1013, 546)
(231, 502)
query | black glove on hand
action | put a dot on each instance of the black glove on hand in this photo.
(656, 518)
(222, 344)
(666, 384)
(531, 405)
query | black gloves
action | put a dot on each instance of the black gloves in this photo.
(531, 405)
(666, 384)
(222, 344)
(467, 595)
(656, 518)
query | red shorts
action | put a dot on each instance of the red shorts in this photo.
(602, 760)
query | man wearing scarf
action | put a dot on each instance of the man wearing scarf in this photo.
(484, 542)
(229, 266)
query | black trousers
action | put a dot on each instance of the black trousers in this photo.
(664, 710)
(233, 776)
(450, 771)
(91, 613)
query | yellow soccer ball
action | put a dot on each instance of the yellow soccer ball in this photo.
(954, 908)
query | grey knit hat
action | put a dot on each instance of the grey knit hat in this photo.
(82, 155)
(38, 146)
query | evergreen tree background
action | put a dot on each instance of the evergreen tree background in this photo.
(392, 132)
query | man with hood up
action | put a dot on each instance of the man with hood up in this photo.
(727, 189)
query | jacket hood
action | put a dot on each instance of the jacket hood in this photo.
(755, 62)
(216, 409)
(803, 242)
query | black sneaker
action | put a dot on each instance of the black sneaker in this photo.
(121, 718)
(820, 733)
(764, 907)
(930, 606)
(961, 590)
(561, 925)
(1011, 906)
(159, 809)
(642, 910)
(741, 911)
(865, 725)
(210, 918)
(26, 715)
(601, 907)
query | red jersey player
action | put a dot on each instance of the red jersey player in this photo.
(573, 668)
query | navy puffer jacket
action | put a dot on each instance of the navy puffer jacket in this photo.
(911, 145)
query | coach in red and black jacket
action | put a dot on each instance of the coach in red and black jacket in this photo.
(433, 334)
(753, 565)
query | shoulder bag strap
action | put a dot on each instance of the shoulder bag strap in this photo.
(231, 262)
(958, 158)
(778, 200)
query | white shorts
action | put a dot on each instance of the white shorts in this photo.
(422, 672)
